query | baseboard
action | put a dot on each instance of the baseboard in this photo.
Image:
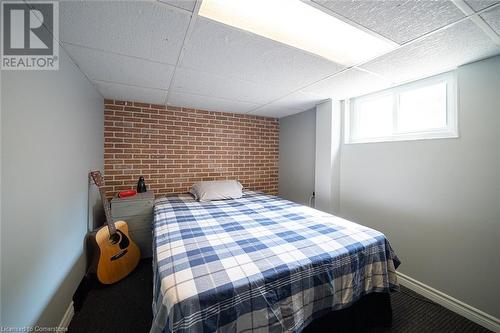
(452, 304)
(66, 319)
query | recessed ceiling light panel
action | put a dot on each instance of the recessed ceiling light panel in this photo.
(297, 24)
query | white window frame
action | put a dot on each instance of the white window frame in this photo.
(450, 131)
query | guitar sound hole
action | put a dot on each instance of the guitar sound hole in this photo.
(113, 239)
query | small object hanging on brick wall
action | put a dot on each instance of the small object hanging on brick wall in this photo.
(141, 185)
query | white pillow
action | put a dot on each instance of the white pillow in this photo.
(216, 190)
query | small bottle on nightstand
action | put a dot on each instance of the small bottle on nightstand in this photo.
(141, 185)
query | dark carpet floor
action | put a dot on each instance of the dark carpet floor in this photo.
(126, 307)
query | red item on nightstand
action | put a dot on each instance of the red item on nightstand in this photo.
(128, 193)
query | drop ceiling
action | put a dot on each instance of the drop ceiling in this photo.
(162, 52)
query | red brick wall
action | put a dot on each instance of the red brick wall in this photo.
(175, 147)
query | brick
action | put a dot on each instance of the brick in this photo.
(174, 147)
(114, 107)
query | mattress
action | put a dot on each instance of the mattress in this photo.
(259, 264)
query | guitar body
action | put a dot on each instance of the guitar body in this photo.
(115, 255)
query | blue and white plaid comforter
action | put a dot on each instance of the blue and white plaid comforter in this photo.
(260, 264)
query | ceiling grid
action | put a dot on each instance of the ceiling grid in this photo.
(195, 62)
(189, 30)
(408, 43)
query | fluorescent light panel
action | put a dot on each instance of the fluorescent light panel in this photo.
(297, 24)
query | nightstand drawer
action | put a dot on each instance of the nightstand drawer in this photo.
(144, 240)
(129, 208)
(137, 211)
(137, 222)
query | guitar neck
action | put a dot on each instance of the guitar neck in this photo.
(107, 211)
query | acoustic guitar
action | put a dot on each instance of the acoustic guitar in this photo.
(114, 254)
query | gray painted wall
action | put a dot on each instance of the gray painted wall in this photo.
(1, 135)
(296, 158)
(327, 169)
(438, 201)
(52, 135)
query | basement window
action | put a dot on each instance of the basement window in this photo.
(425, 109)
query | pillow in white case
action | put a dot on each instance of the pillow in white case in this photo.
(216, 190)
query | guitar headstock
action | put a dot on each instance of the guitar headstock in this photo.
(97, 178)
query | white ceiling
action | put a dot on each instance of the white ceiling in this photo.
(398, 20)
(161, 52)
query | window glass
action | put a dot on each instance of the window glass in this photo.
(374, 117)
(422, 109)
(425, 109)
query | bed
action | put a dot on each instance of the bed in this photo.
(260, 264)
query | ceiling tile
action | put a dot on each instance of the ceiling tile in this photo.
(220, 49)
(459, 44)
(131, 93)
(290, 104)
(209, 103)
(399, 20)
(351, 83)
(275, 112)
(492, 17)
(143, 29)
(477, 5)
(104, 66)
(202, 83)
(182, 4)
